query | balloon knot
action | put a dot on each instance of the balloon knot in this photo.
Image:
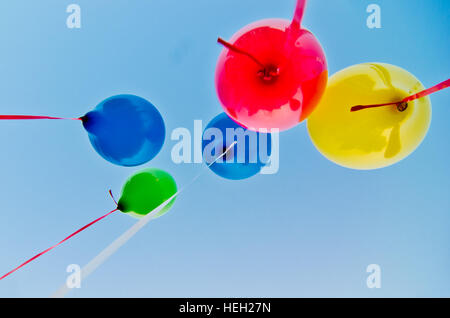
(269, 73)
(401, 107)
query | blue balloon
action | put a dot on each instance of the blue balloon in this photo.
(126, 130)
(244, 159)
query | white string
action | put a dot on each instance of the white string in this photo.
(121, 240)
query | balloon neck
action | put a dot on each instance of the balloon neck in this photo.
(267, 72)
(122, 207)
(401, 107)
(90, 121)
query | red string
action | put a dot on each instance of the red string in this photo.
(266, 73)
(418, 95)
(50, 248)
(428, 91)
(112, 196)
(299, 12)
(17, 117)
(238, 50)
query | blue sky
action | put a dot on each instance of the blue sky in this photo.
(309, 230)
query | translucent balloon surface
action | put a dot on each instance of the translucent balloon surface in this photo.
(145, 191)
(245, 158)
(286, 90)
(126, 130)
(369, 138)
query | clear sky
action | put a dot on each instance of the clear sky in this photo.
(309, 230)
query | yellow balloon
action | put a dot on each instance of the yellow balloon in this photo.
(369, 138)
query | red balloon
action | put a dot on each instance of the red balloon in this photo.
(271, 74)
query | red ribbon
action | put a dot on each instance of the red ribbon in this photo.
(421, 94)
(16, 117)
(50, 248)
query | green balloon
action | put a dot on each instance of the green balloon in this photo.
(145, 191)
